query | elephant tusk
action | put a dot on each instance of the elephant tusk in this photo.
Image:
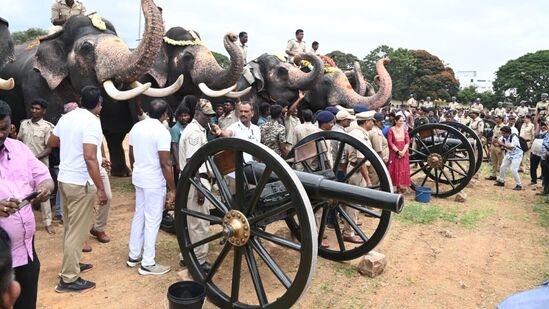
(118, 95)
(215, 93)
(161, 92)
(238, 94)
(7, 84)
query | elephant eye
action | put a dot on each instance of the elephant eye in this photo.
(282, 71)
(86, 47)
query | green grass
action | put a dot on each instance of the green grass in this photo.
(122, 184)
(542, 209)
(347, 270)
(419, 213)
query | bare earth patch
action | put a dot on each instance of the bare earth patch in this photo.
(440, 255)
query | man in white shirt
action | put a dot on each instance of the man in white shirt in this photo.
(79, 182)
(242, 40)
(150, 160)
(296, 46)
(314, 48)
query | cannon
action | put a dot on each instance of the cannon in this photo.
(255, 197)
(443, 158)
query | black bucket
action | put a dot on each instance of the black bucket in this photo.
(186, 295)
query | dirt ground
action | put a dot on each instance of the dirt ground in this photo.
(439, 255)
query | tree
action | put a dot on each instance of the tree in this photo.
(528, 74)
(370, 60)
(20, 37)
(432, 78)
(223, 60)
(343, 61)
(468, 94)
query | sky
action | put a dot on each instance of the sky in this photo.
(467, 35)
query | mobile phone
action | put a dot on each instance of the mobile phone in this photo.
(26, 200)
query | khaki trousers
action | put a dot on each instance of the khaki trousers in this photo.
(357, 180)
(102, 212)
(525, 164)
(496, 154)
(78, 204)
(198, 228)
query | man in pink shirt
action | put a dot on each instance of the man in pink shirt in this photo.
(21, 174)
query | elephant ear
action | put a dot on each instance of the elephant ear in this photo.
(51, 61)
(255, 68)
(159, 69)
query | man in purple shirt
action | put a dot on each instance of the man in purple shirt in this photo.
(21, 174)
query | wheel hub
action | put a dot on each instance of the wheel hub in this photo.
(236, 228)
(435, 160)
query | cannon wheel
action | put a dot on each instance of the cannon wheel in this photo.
(229, 284)
(375, 222)
(450, 167)
(470, 134)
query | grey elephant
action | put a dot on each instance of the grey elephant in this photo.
(274, 79)
(6, 53)
(183, 54)
(87, 51)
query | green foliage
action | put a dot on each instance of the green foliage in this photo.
(472, 218)
(529, 74)
(343, 61)
(346, 270)
(419, 213)
(223, 60)
(470, 93)
(542, 209)
(20, 37)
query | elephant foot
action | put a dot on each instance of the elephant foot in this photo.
(122, 171)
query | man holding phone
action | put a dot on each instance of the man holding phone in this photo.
(21, 174)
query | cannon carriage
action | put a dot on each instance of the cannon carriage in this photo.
(255, 194)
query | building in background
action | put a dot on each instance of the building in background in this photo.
(483, 81)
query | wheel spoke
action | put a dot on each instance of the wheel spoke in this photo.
(365, 210)
(218, 261)
(442, 172)
(423, 144)
(416, 171)
(223, 188)
(339, 236)
(461, 167)
(352, 224)
(445, 138)
(276, 239)
(239, 201)
(426, 176)
(322, 224)
(436, 181)
(454, 170)
(273, 212)
(256, 277)
(444, 155)
(321, 158)
(237, 268)
(418, 152)
(307, 167)
(200, 215)
(208, 195)
(337, 159)
(355, 168)
(271, 263)
(258, 190)
(206, 240)
(458, 159)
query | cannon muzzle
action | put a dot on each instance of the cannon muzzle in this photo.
(320, 187)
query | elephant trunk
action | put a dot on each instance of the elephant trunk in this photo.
(360, 82)
(304, 81)
(125, 67)
(351, 98)
(220, 78)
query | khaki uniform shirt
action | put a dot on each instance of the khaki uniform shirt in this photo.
(296, 47)
(478, 106)
(478, 126)
(225, 121)
(356, 156)
(496, 133)
(454, 106)
(60, 9)
(379, 143)
(523, 110)
(243, 49)
(527, 131)
(291, 122)
(412, 102)
(303, 130)
(427, 104)
(35, 135)
(192, 138)
(465, 120)
(541, 105)
(500, 111)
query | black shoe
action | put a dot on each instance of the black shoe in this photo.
(491, 178)
(84, 268)
(206, 267)
(499, 184)
(517, 188)
(78, 286)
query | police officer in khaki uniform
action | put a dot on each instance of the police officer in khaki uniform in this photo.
(477, 124)
(541, 108)
(379, 144)
(496, 153)
(412, 101)
(365, 121)
(34, 133)
(296, 46)
(61, 10)
(477, 105)
(192, 138)
(527, 131)
(454, 105)
(500, 110)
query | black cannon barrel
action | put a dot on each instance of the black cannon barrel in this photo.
(318, 186)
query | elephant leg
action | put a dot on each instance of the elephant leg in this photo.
(117, 154)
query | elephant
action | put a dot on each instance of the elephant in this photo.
(184, 54)
(334, 88)
(357, 81)
(87, 51)
(277, 80)
(6, 53)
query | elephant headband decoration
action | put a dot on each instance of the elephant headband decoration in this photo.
(98, 22)
(195, 42)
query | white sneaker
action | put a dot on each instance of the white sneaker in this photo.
(155, 269)
(132, 263)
